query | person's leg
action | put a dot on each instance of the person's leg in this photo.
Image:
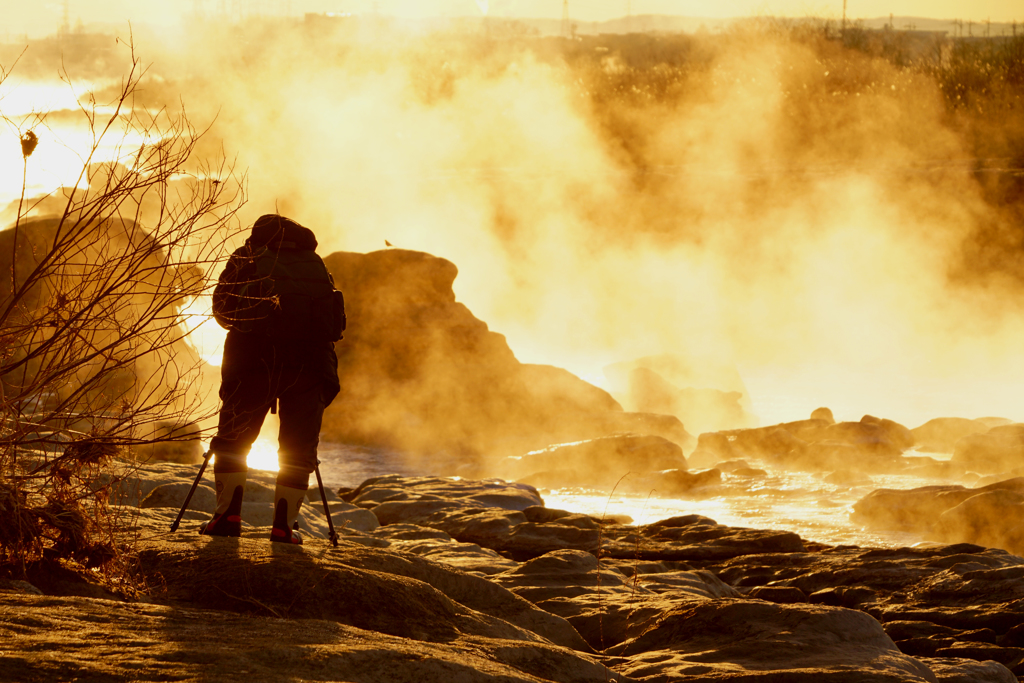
(245, 406)
(301, 410)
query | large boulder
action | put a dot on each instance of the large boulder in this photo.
(941, 434)
(596, 462)
(1000, 449)
(993, 516)
(872, 445)
(126, 351)
(419, 371)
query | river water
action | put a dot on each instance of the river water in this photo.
(801, 502)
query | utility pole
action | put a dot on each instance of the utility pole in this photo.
(565, 19)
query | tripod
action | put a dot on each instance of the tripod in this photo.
(319, 483)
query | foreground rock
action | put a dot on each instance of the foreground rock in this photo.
(749, 640)
(89, 639)
(682, 599)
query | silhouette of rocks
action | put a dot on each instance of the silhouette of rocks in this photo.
(419, 371)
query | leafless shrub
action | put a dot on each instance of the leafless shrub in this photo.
(94, 285)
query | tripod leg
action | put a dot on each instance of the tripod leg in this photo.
(327, 510)
(188, 498)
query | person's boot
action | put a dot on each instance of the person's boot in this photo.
(227, 518)
(287, 501)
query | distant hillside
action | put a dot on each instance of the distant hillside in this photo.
(643, 23)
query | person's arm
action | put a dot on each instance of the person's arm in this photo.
(227, 304)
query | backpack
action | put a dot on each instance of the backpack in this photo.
(289, 295)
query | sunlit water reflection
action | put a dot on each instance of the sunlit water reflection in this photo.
(791, 501)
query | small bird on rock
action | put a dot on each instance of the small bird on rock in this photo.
(388, 243)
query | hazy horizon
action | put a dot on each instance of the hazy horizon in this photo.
(39, 20)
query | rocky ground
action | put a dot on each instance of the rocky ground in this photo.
(437, 579)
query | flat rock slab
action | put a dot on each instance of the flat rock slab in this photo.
(749, 640)
(368, 588)
(61, 639)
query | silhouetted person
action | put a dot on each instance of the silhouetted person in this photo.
(277, 301)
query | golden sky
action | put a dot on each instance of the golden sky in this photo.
(42, 18)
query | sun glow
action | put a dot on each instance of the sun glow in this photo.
(263, 454)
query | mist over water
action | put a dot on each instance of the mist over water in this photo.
(802, 212)
(761, 200)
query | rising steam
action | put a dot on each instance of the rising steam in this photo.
(752, 200)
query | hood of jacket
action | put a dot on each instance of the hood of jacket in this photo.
(278, 232)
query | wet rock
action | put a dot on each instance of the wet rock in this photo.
(599, 462)
(712, 448)
(1014, 637)
(562, 573)
(482, 493)
(906, 630)
(665, 597)
(693, 538)
(872, 435)
(843, 596)
(786, 595)
(681, 483)
(920, 509)
(895, 433)
(1010, 657)
(484, 513)
(766, 443)
(993, 518)
(715, 639)
(540, 514)
(952, 670)
(997, 450)
(604, 603)
(749, 472)
(941, 434)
